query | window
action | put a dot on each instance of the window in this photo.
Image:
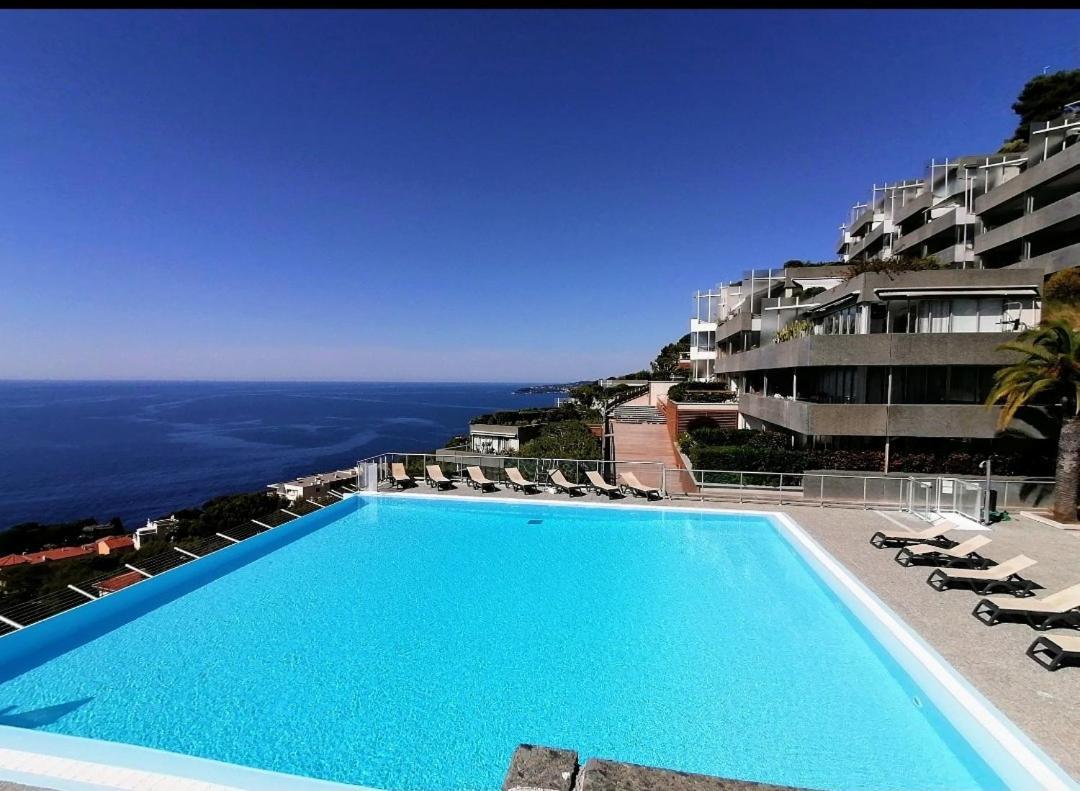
(965, 312)
(990, 312)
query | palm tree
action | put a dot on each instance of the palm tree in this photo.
(1048, 370)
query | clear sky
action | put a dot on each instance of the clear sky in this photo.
(501, 196)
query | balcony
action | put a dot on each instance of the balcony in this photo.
(1047, 217)
(918, 203)
(740, 322)
(702, 353)
(869, 214)
(877, 420)
(1051, 168)
(945, 223)
(973, 348)
(867, 241)
(1055, 261)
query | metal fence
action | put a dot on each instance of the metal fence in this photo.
(14, 617)
(924, 496)
(453, 465)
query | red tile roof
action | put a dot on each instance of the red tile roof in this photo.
(119, 582)
(62, 553)
(116, 542)
(12, 560)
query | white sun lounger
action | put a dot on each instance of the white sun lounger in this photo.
(435, 477)
(401, 478)
(1005, 575)
(897, 538)
(632, 484)
(479, 481)
(564, 485)
(1050, 650)
(599, 485)
(1046, 612)
(964, 554)
(519, 483)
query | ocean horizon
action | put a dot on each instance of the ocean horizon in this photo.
(137, 449)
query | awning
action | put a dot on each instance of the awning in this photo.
(956, 291)
(826, 307)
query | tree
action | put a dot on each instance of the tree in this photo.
(1048, 371)
(1042, 99)
(569, 439)
(666, 363)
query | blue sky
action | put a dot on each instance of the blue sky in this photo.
(500, 196)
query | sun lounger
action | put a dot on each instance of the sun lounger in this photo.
(564, 485)
(1050, 650)
(899, 538)
(436, 478)
(401, 478)
(1004, 576)
(599, 485)
(479, 481)
(1046, 612)
(964, 554)
(520, 483)
(632, 484)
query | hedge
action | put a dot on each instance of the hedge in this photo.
(753, 458)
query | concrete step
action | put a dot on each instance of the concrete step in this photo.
(638, 414)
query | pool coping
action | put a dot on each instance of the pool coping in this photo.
(1013, 756)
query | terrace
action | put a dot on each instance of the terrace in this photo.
(992, 659)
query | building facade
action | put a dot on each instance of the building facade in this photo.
(842, 355)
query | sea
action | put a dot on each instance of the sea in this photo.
(137, 450)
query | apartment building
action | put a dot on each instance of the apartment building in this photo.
(883, 360)
(881, 357)
(987, 211)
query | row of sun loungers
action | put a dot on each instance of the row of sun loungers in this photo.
(436, 478)
(962, 564)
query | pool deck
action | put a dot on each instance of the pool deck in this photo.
(1046, 705)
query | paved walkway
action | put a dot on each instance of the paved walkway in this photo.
(646, 442)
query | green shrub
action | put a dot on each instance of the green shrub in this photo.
(530, 415)
(1063, 286)
(768, 452)
(568, 439)
(893, 265)
(799, 328)
(701, 393)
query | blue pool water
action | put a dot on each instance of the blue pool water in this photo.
(413, 644)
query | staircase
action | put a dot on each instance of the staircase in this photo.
(638, 413)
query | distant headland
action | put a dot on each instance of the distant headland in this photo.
(537, 389)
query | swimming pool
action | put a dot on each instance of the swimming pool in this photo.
(413, 643)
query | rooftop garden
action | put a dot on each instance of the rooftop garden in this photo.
(701, 393)
(894, 265)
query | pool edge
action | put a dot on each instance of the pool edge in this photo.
(1009, 751)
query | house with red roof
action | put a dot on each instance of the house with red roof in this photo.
(110, 544)
(119, 582)
(60, 553)
(7, 561)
